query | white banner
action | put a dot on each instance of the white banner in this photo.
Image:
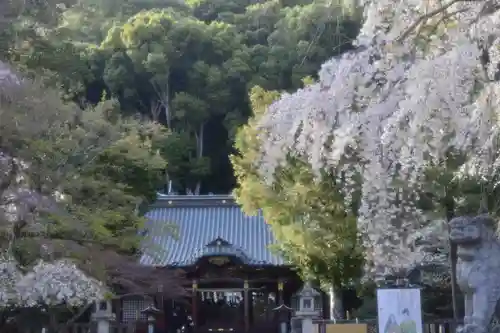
(399, 311)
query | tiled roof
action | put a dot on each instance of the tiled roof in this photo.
(205, 226)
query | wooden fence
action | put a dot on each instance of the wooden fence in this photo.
(431, 326)
(321, 325)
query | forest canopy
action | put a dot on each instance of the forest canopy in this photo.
(189, 66)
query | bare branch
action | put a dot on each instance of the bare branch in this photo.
(422, 19)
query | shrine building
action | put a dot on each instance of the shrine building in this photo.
(234, 279)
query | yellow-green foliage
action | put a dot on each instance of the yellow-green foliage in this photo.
(307, 216)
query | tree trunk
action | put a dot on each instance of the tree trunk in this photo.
(452, 257)
(336, 306)
(165, 102)
(9, 175)
(155, 109)
(199, 153)
(200, 140)
(168, 183)
(162, 90)
(166, 106)
(53, 324)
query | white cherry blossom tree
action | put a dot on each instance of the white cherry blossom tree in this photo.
(58, 283)
(420, 90)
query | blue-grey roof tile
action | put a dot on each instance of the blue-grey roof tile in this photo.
(198, 221)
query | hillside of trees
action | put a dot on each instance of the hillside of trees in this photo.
(189, 66)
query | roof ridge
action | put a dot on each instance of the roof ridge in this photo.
(170, 200)
(202, 224)
(162, 196)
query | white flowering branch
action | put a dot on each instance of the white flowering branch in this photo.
(47, 284)
(56, 283)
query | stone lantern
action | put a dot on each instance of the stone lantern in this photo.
(307, 297)
(306, 312)
(283, 313)
(103, 315)
(151, 312)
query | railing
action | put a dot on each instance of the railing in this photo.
(431, 326)
(114, 327)
(320, 326)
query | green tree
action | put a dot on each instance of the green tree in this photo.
(71, 186)
(316, 232)
(150, 52)
(306, 36)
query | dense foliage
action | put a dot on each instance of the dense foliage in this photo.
(407, 123)
(189, 66)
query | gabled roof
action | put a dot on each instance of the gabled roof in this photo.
(205, 225)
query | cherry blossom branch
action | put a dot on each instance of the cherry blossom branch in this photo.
(428, 16)
(445, 17)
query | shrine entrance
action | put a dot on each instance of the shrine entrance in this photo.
(221, 311)
(233, 279)
(224, 305)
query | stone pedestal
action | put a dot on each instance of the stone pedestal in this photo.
(307, 320)
(103, 315)
(151, 325)
(283, 316)
(151, 312)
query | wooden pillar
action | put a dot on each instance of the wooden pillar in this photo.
(118, 309)
(280, 296)
(194, 305)
(280, 300)
(246, 305)
(325, 305)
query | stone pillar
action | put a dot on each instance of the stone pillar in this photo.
(194, 304)
(151, 324)
(151, 313)
(103, 315)
(307, 325)
(283, 315)
(246, 305)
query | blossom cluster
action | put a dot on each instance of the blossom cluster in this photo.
(47, 283)
(422, 82)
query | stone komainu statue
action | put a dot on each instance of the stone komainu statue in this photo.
(478, 269)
